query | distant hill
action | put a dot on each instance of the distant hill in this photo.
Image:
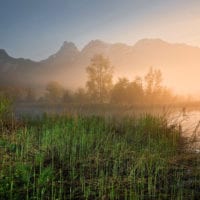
(179, 63)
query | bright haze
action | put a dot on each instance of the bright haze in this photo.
(36, 29)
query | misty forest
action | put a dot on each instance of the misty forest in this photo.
(105, 120)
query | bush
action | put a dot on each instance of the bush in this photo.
(5, 106)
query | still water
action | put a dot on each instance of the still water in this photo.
(190, 125)
(189, 121)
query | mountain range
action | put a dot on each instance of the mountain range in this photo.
(179, 63)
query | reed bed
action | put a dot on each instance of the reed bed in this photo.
(96, 157)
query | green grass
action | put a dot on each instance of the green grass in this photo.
(96, 157)
(5, 105)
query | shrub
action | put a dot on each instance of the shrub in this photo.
(5, 106)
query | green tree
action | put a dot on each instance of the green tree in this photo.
(126, 92)
(54, 92)
(135, 91)
(99, 84)
(119, 92)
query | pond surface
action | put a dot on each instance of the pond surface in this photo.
(190, 125)
(188, 120)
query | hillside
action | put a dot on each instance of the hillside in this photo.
(178, 63)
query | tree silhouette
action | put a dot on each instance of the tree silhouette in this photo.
(80, 96)
(99, 83)
(119, 93)
(135, 91)
(153, 81)
(54, 92)
(126, 92)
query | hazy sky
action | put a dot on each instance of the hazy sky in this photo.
(37, 28)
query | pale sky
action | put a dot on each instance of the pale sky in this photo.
(37, 28)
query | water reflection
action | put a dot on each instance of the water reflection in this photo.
(190, 124)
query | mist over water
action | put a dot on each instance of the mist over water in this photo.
(188, 120)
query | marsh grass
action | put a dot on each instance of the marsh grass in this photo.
(96, 157)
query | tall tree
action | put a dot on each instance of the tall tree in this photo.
(153, 85)
(99, 84)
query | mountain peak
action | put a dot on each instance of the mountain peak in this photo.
(96, 42)
(97, 46)
(148, 41)
(3, 54)
(68, 46)
(68, 51)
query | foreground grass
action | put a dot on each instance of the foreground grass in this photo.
(92, 157)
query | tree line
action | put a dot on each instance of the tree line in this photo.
(100, 88)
